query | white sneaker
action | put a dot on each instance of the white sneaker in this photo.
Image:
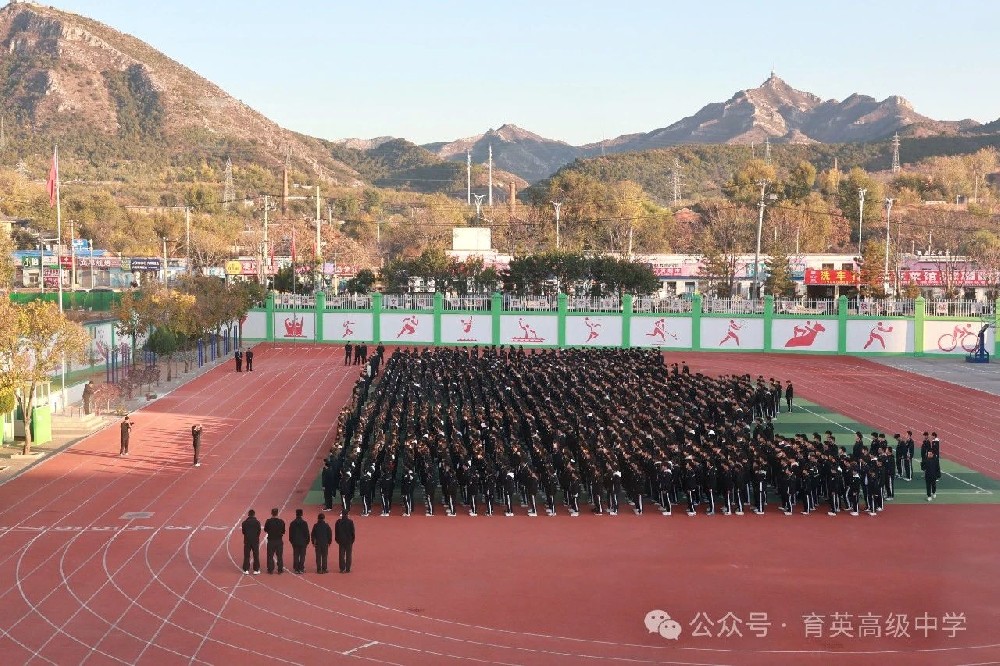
(854, 513)
(929, 499)
(246, 572)
(197, 464)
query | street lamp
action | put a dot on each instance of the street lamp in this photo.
(861, 213)
(557, 205)
(885, 275)
(760, 227)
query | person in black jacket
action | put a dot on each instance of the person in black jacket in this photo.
(789, 395)
(196, 442)
(238, 355)
(329, 487)
(251, 542)
(932, 472)
(345, 540)
(274, 527)
(322, 537)
(298, 536)
(347, 353)
(249, 360)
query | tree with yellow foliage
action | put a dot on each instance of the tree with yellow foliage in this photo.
(34, 340)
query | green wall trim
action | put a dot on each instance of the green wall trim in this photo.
(629, 318)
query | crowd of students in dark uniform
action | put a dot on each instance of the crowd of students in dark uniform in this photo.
(491, 428)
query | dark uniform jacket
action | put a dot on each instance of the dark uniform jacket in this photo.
(345, 531)
(251, 530)
(322, 535)
(298, 532)
(274, 528)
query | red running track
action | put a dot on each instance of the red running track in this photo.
(80, 584)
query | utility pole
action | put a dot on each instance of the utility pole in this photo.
(72, 255)
(885, 281)
(187, 238)
(677, 181)
(760, 227)
(228, 191)
(895, 153)
(861, 214)
(265, 254)
(468, 177)
(558, 205)
(319, 252)
(767, 150)
(490, 202)
(479, 205)
(164, 260)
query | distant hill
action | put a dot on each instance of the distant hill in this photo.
(773, 111)
(530, 156)
(105, 96)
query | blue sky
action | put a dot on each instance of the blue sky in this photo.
(577, 71)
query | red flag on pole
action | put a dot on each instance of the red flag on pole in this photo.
(53, 181)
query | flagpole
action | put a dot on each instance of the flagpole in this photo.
(55, 162)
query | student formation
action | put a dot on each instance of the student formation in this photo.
(500, 430)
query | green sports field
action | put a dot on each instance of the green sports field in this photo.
(958, 484)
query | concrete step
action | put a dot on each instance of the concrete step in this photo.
(61, 423)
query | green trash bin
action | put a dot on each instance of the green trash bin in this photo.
(41, 425)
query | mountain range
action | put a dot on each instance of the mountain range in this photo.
(774, 111)
(112, 99)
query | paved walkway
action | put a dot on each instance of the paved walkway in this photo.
(69, 428)
(979, 376)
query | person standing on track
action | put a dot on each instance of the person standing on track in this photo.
(196, 442)
(345, 540)
(322, 537)
(348, 348)
(126, 428)
(932, 472)
(908, 460)
(238, 355)
(251, 542)
(274, 527)
(789, 395)
(249, 360)
(298, 536)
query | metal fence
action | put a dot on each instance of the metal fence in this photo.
(811, 306)
(654, 304)
(882, 307)
(594, 303)
(970, 309)
(408, 302)
(96, 301)
(478, 302)
(294, 301)
(733, 306)
(349, 302)
(541, 303)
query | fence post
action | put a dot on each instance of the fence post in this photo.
(768, 318)
(696, 305)
(627, 309)
(496, 309)
(563, 303)
(436, 317)
(842, 325)
(919, 316)
(320, 309)
(269, 313)
(376, 317)
(996, 323)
